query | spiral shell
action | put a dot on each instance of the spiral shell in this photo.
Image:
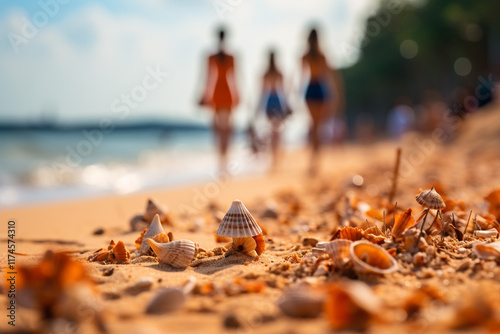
(339, 251)
(177, 253)
(238, 222)
(370, 258)
(430, 199)
(154, 229)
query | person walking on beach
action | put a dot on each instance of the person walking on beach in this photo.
(274, 103)
(221, 95)
(319, 93)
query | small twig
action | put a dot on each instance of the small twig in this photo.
(423, 222)
(435, 218)
(476, 224)
(468, 219)
(384, 226)
(395, 177)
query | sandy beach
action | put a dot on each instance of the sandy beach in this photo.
(467, 169)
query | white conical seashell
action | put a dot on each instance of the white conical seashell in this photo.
(487, 251)
(238, 222)
(166, 300)
(339, 250)
(370, 258)
(154, 229)
(177, 253)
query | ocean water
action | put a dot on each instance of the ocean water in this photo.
(52, 165)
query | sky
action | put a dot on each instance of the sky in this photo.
(73, 61)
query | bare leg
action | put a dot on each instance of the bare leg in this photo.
(317, 111)
(222, 119)
(275, 142)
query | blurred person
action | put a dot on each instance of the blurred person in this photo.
(401, 118)
(319, 95)
(221, 95)
(431, 112)
(274, 104)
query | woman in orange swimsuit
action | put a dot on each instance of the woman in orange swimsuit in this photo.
(221, 95)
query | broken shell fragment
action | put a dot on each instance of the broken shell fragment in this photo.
(261, 243)
(351, 306)
(491, 233)
(487, 251)
(154, 229)
(370, 258)
(349, 233)
(430, 199)
(177, 253)
(339, 251)
(161, 238)
(402, 223)
(238, 222)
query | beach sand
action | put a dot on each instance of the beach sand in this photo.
(467, 169)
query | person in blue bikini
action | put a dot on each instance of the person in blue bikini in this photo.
(275, 106)
(319, 93)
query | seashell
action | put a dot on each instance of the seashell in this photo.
(245, 245)
(170, 236)
(238, 222)
(301, 303)
(177, 253)
(493, 200)
(402, 223)
(420, 259)
(161, 238)
(138, 241)
(154, 229)
(111, 245)
(351, 306)
(261, 243)
(491, 233)
(375, 230)
(487, 251)
(121, 253)
(430, 199)
(137, 223)
(143, 284)
(411, 240)
(166, 300)
(370, 258)
(339, 251)
(349, 233)
(152, 209)
(99, 255)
